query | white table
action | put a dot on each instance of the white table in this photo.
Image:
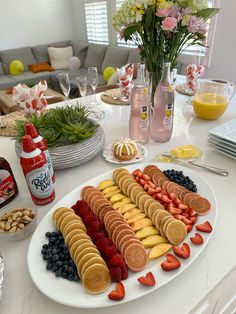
(21, 296)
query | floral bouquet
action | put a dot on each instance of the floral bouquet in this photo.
(162, 29)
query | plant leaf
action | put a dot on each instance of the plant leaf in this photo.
(207, 13)
(130, 30)
(149, 16)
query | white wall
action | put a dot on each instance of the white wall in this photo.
(223, 62)
(32, 22)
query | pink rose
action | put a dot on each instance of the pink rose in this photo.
(163, 12)
(169, 23)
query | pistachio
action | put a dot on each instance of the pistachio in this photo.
(27, 218)
(13, 229)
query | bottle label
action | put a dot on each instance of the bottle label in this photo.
(40, 182)
(49, 162)
(144, 118)
(168, 119)
(7, 186)
(168, 88)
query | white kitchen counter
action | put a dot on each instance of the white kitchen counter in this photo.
(21, 296)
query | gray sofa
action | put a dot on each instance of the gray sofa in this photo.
(89, 54)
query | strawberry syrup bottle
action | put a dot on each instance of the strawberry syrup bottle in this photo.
(40, 143)
(34, 165)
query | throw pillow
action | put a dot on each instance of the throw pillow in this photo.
(40, 67)
(60, 56)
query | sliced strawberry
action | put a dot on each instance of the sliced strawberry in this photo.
(187, 221)
(192, 212)
(142, 182)
(197, 239)
(138, 173)
(183, 251)
(171, 205)
(165, 199)
(158, 189)
(179, 217)
(134, 174)
(175, 211)
(172, 196)
(150, 191)
(185, 215)
(205, 227)
(153, 186)
(147, 280)
(146, 187)
(115, 273)
(146, 177)
(136, 178)
(177, 202)
(189, 228)
(110, 251)
(117, 294)
(158, 196)
(171, 263)
(182, 206)
(193, 219)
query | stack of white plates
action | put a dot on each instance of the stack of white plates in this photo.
(74, 154)
(223, 138)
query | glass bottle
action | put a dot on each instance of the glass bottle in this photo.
(139, 121)
(163, 111)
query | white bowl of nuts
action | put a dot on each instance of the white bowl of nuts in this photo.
(17, 223)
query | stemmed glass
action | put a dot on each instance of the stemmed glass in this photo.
(93, 78)
(64, 81)
(82, 84)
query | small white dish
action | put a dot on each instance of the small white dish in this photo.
(109, 155)
(226, 131)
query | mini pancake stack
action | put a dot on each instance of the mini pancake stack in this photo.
(118, 229)
(174, 230)
(91, 268)
(193, 200)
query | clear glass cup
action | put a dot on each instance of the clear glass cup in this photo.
(82, 85)
(64, 82)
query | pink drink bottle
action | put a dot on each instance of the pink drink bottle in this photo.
(139, 121)
(163, 112)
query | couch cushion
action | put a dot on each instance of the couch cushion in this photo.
(80, 50)
(41, 53)
(6, 82)
(60, 56)
(25, 55)
(116, 57)
(134, 56)
(40, 67)
(1, 69)
(95, 56)
(29, 77)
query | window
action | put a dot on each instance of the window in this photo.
(96, 21)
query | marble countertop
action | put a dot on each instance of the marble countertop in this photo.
(21, 296)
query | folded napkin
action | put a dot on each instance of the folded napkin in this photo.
(31, 100)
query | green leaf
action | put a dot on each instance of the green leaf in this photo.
(130, 30)
(149, 16)
(200, 36)
(208, 13)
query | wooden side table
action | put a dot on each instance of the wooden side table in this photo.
(7, 105)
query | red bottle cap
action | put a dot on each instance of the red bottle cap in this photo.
(31, 130)
(28, 144)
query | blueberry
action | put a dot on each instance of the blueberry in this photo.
(76, 278)
(48, 234)
(58, 273)
(49, 266)
(70, 270)
(45, 246)
(55, 257)
(71, 262)
(58, 263)
(70, 277)
(54, 251)
(64, 275)
(43, 251)
(52, 240)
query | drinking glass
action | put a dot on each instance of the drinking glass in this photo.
(64, 81)
(82, 84)
(93, 78)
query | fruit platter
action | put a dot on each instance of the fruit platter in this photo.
(122, 235)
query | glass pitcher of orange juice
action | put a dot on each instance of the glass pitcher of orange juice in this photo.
(212, 98)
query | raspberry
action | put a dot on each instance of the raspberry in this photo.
(95, 226)
(115, 273)
(111, 251)
(81, 203)
(83, 212)
(89, 219)
(110, 242)
(76, 209)
(99, 235)
(90, 232)
(117, 260)
(124, 273)
(102, 245)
